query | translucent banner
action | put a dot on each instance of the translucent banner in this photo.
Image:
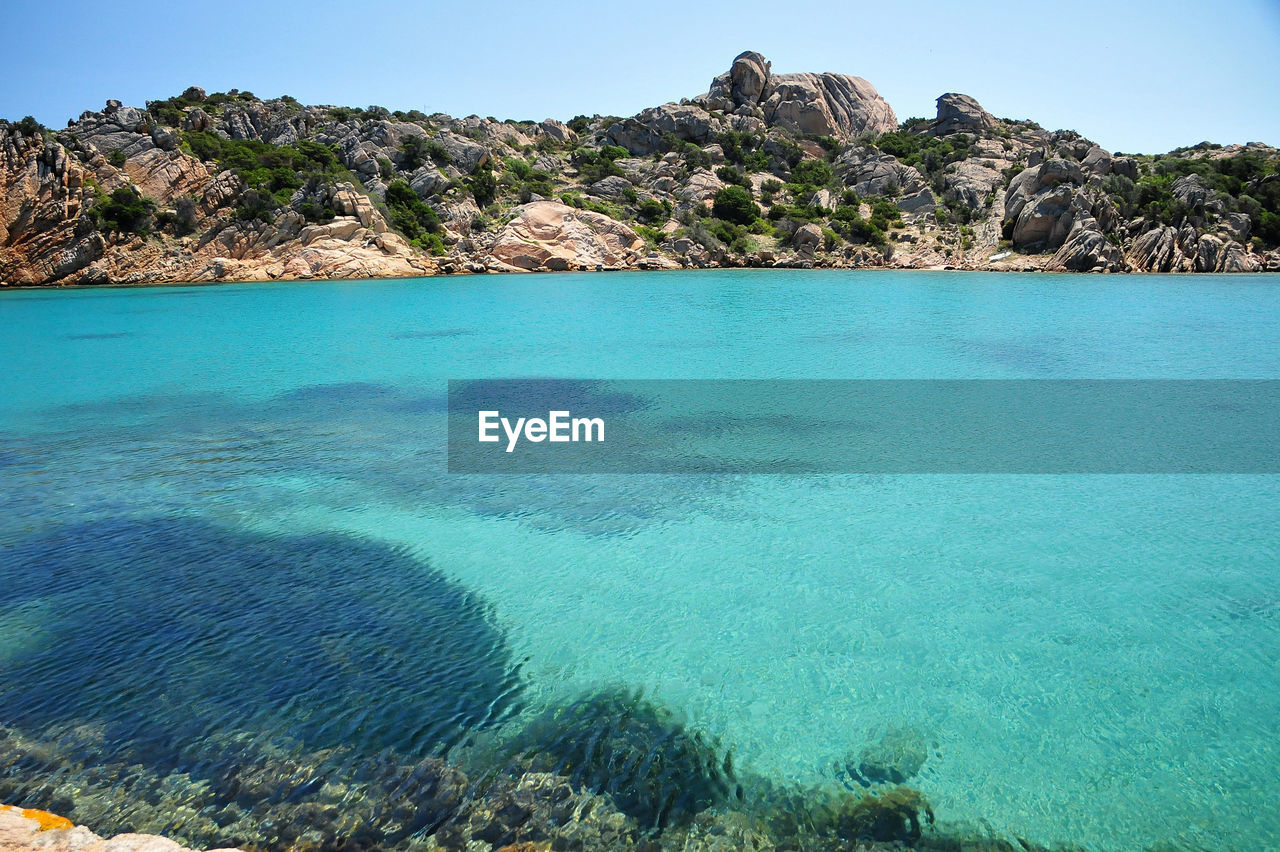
(1018, 426)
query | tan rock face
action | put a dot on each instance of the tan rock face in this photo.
(550, 235)
(166, 175)
(827, 104)
(26, 830)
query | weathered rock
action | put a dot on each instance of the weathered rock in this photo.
(1039, 204)
(972, 183)
(613, 188)
(559, 131)
(1125, 166)
(1237, 226)
(1086, 249)
(544, 230)
(1196, 197)
(1236, 258)
(642, 134)
(1158, 250)
(869, 172)
(167, 174)
(807, 239)
(701, 186)
(826, 104)
(1097, 162)
(116, 128)
(960, 114)
(747, 79)
(922, 202)
(1045, 220)
(27, 830)
(465, 155)
(428, 181)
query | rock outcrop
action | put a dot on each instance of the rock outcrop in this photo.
(960, 114)
(1086, 249)
(29, 830)
(552, 236)
(825, 104)
(230, 187)
(1038, 204)
(1168, 249)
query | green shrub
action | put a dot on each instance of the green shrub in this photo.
(595, 166)
(28, 126)
(184, 215)
(734, 204)
(117, 158)
(651, 211)
(125, 212)
(812, 173)
(483, 186)
(733, 177)
(408, 214)
(927, 153)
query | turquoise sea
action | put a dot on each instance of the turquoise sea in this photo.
(225, 512)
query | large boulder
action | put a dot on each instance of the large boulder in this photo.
(807, 239)
(642, 134)
(464, 154)
(550, 235)
(826, 104)
(972, 183)
(613, 188)
(869, 172)
(1039, 204)
(558, 131)
(1086, 249)
(742, 84)
(115, 128)
(1097, 162)
(960, 114)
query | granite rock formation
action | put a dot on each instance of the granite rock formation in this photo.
(227, 186)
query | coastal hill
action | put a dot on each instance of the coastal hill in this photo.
(764, 169)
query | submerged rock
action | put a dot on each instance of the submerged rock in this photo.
(895, 758)
(639, 753)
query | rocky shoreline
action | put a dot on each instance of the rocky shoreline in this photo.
(28, 829)
(763, 170)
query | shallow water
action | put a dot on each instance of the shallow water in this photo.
(226, 510)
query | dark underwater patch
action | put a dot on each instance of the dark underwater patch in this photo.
(634, 750)
(113, 335)
(434, 334)
(163, 630)
(535, 397)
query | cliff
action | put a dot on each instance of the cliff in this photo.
(763, 169)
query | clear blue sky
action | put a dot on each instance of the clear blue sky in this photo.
(1143, 76)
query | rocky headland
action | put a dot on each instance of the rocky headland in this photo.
(763, 170)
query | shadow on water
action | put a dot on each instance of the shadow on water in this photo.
(303, 692)
(161, 632)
